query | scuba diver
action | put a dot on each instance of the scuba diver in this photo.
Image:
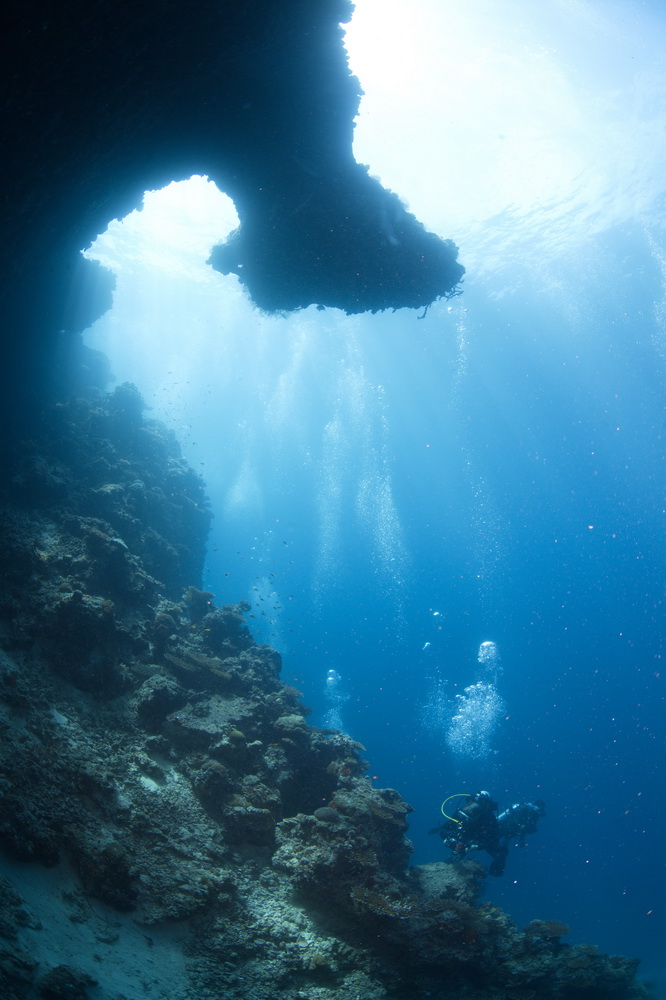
(520, 819)
(475, 826)
(472, 827)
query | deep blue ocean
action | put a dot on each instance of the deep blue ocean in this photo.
(392, 491)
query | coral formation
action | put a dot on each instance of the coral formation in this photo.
(170, 823)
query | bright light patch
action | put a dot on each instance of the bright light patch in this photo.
(174, 232)
(489, 119)
(168, 304)
(385, 45)
(460, 111)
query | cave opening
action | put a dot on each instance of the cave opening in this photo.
(321, 435)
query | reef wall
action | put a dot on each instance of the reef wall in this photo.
(170, 825)
(103, 101)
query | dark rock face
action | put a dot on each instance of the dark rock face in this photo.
(164, 800)
(117, 520)
(338, 240)
(103, 101)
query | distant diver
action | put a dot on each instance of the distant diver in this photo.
(475, 826)
(520, 819)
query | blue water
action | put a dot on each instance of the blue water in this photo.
(390, 492)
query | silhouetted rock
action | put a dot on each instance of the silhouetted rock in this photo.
(102, 102)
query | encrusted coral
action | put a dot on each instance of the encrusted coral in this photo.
(154, 761)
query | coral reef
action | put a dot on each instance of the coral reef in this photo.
(170, 823)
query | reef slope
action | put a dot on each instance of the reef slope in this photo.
(170, 824)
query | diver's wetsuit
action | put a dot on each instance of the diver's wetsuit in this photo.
(519, 819)
(476, 826)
